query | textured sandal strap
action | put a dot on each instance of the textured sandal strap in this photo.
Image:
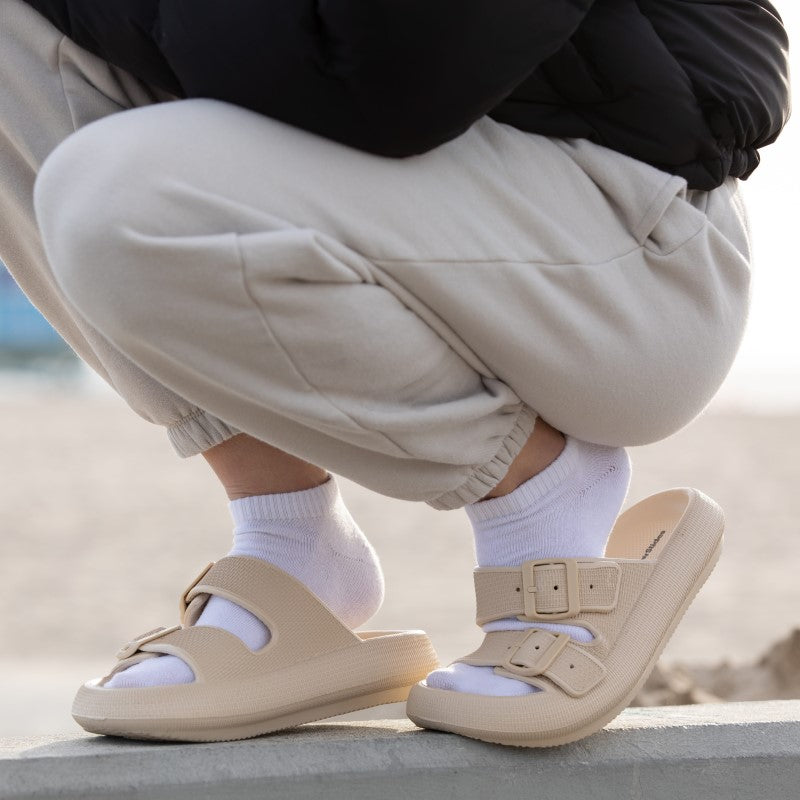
(279, 600)
(301, 626)
(546, 590)
(528, 654)
(216, 654)
(212, 653)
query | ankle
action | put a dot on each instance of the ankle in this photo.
(567, 510)
(541, 449)
(283, 484)
(248, 467)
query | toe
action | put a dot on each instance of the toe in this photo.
(161, 671)
(477, 680)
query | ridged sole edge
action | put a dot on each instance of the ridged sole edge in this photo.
(150, 729)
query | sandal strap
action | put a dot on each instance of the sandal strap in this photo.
(533, 653)
(546, 590)
(278, 599)
(301, 625)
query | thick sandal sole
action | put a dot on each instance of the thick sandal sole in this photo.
(222, 731)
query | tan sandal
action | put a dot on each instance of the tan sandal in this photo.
(659, 554)
(312, 668)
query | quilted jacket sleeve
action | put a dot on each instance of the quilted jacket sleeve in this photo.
(738, 69)
(393, 77)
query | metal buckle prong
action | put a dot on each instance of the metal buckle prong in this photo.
(529, 590)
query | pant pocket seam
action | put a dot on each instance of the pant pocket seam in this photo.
(59, 63)
(648, 245)
(291, 362)
(660, 202)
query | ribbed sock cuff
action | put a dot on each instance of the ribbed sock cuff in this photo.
(530, 492)
(318, 501)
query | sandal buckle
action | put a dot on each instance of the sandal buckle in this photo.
(529, 590)
(542, 662)
(143, 638)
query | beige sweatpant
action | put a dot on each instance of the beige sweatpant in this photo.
(401, 322)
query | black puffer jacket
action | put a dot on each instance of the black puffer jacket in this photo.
(691, 86)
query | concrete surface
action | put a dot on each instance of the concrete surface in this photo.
(734, 751)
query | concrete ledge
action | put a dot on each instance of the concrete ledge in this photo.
(734, 751)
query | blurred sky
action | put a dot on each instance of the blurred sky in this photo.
(767, 370)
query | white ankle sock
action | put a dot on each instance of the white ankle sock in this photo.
(309, 534)
(566, 511)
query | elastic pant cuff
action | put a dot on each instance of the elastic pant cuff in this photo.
(485, 477)
(198, 432)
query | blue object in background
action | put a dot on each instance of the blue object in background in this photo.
(23, 330)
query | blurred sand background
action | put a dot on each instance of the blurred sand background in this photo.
(103, 527)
